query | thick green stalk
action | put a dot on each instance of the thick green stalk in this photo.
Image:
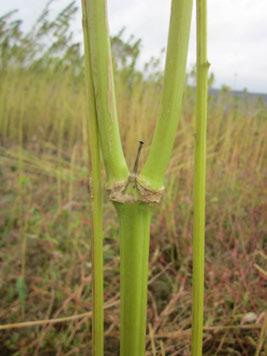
(96, 201)
(101, 62)
(200, 179)
(174, 80)
(134, 248)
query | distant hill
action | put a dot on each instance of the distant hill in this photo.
(242, 93)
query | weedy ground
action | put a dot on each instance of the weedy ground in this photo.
(45, 216)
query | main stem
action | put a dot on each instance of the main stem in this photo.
(200, 179)
(134, 250)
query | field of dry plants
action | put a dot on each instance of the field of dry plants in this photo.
(45, 269)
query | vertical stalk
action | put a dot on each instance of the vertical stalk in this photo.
(173, 88)
(200, 178)
(96, 200)
(134, 249)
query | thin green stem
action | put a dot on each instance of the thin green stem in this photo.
(134, 249)
(200, 179)
(102, 70)
(96, 200)
(171, 104)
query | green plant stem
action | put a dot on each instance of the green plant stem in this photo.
(200, 179)
(134, 248)
(171, 104)
(102, 70)
(96, 201)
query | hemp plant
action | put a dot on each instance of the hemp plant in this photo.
(134, 193)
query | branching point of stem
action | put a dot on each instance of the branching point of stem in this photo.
(132, 191)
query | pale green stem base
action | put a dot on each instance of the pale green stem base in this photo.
(135, 221)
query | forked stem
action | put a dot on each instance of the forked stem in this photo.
(133, 194)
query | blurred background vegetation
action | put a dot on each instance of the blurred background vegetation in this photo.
(45, 269)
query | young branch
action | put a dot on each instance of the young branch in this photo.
(101, 61)
(154, 169)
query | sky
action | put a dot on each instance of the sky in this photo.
(237, 34)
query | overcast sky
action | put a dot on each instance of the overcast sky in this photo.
(237, 33)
